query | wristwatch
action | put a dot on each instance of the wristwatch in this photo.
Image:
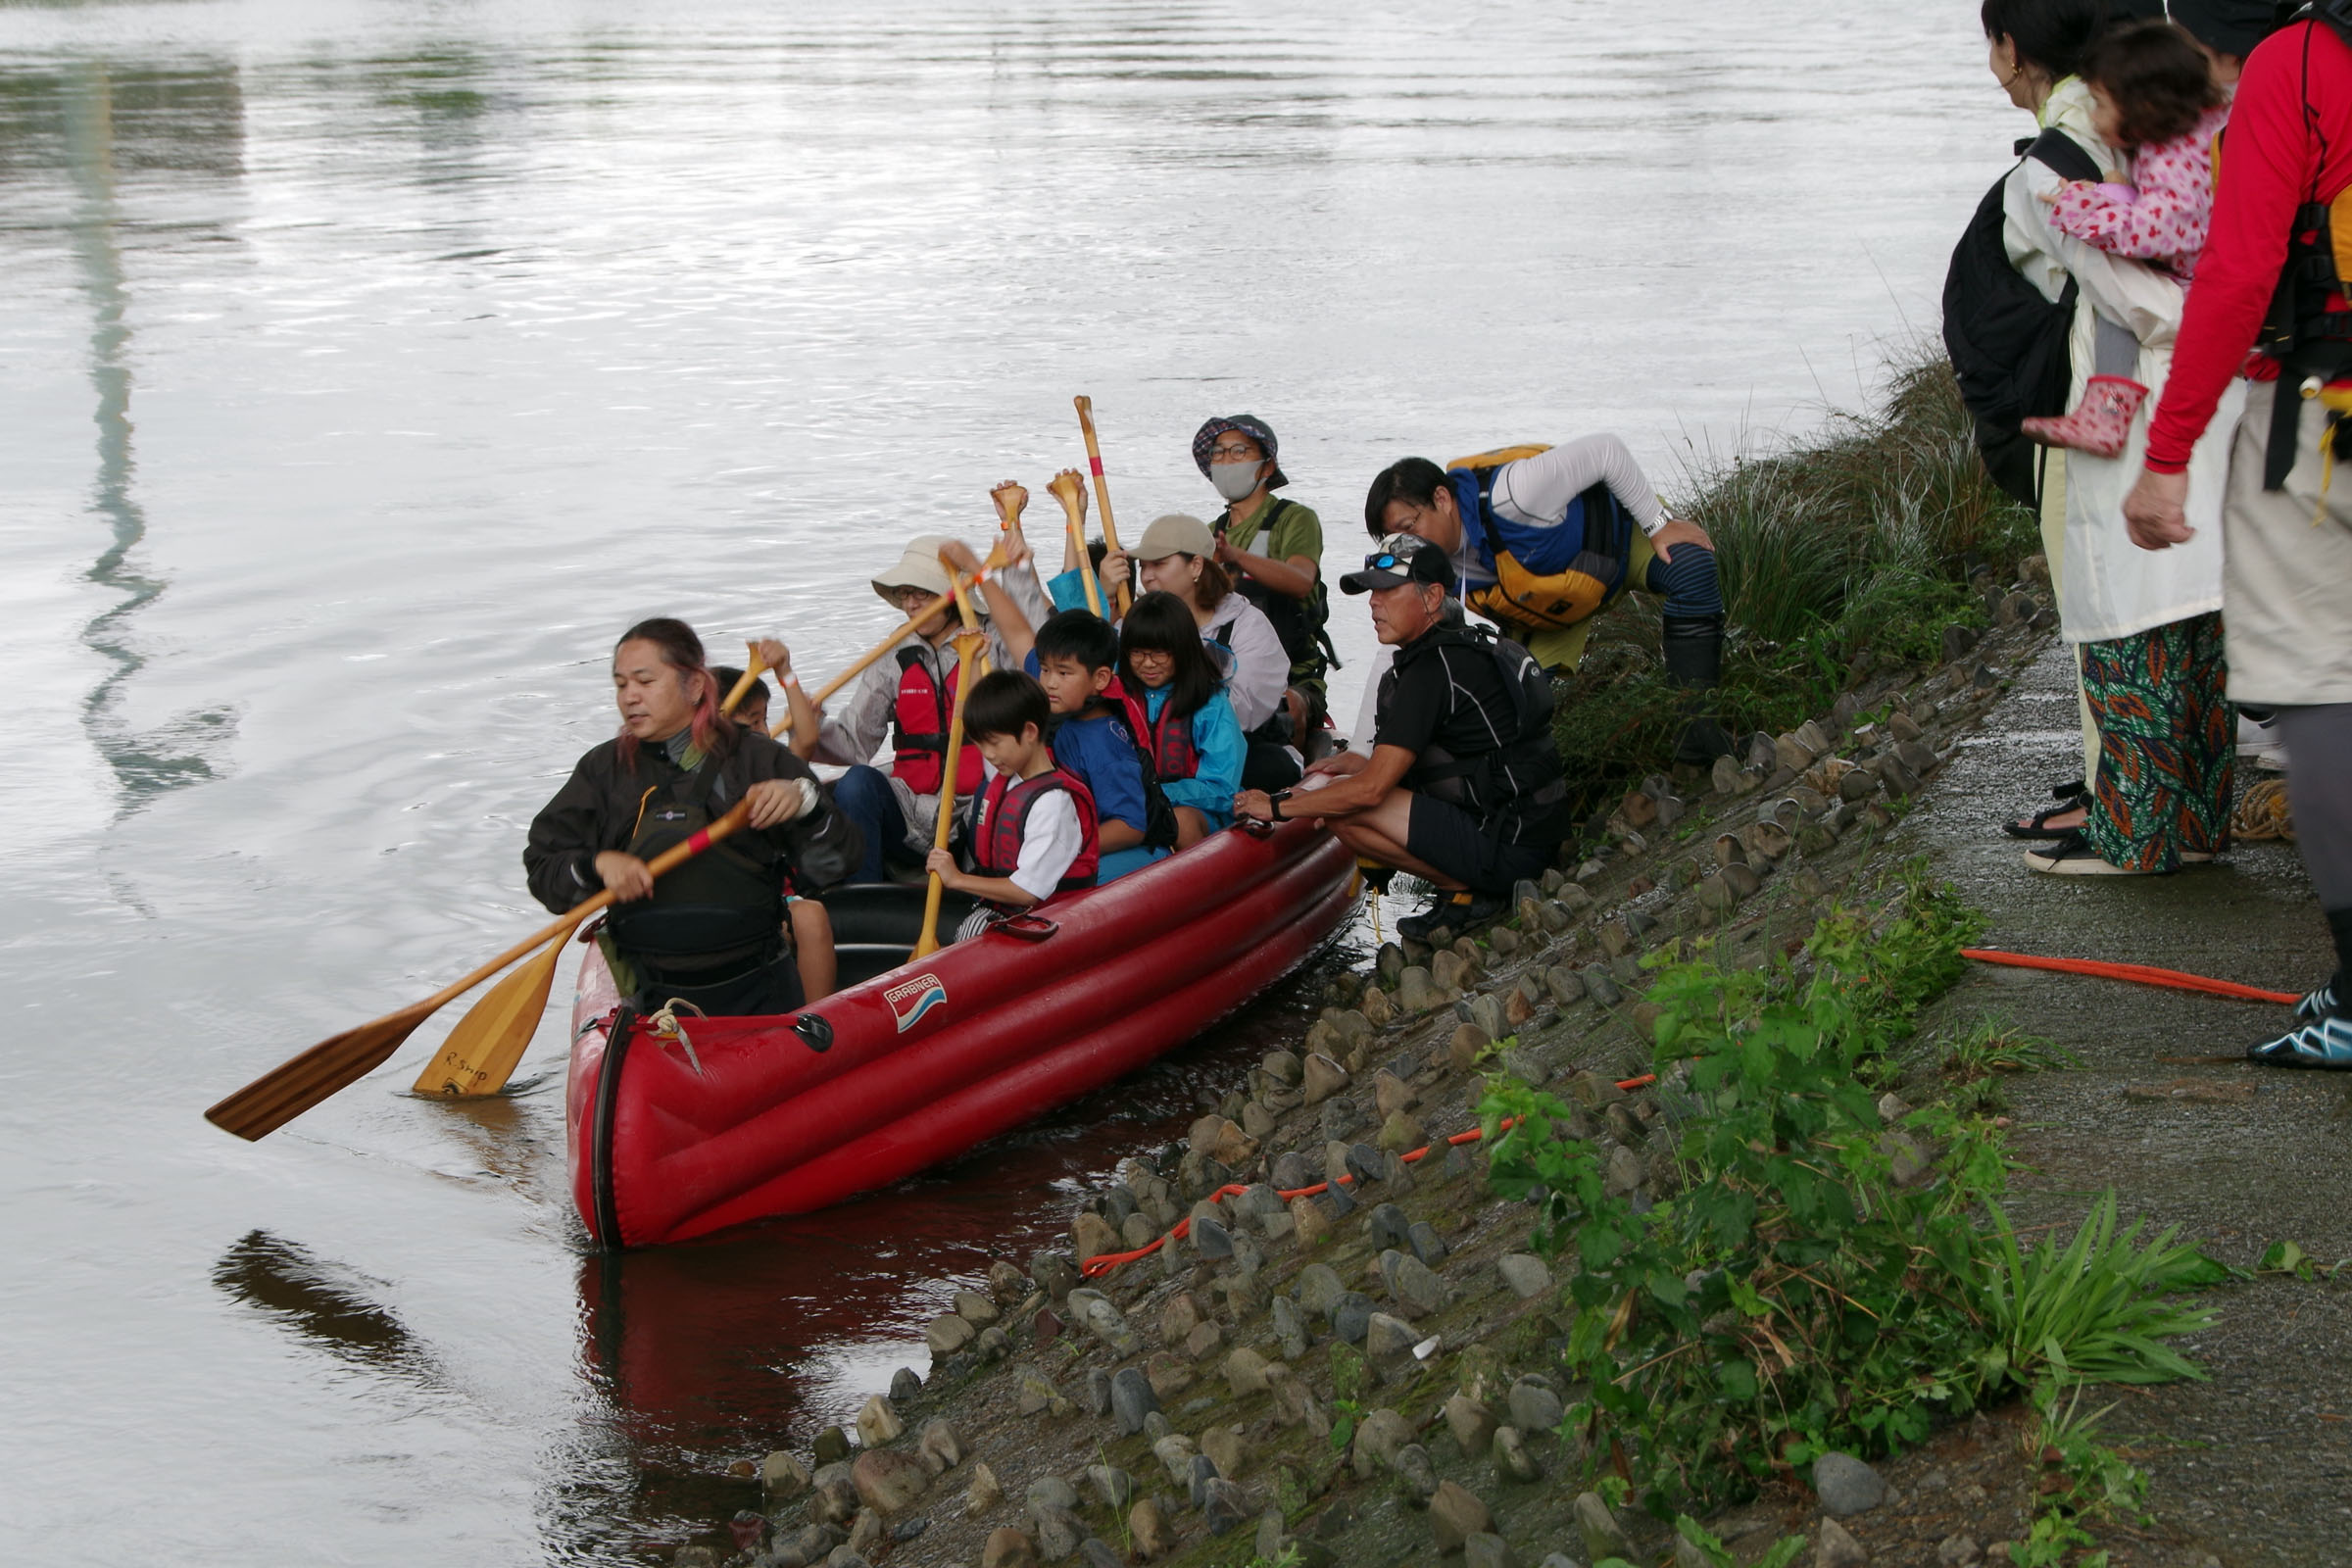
(1274, 805)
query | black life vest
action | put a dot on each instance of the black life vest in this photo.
(719, 910)
(2008, 345)
(1001, 817)
(1302, 624)
(1508, 787)
(918, 729)
(2309, 340)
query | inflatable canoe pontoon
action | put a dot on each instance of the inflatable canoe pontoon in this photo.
(912, 1063)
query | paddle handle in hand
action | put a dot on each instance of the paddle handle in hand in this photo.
(752, 668)
(783, 726)
(1125, 595)
(1067, 488)
(967, 649)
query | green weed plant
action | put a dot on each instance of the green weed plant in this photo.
(1795, 1295)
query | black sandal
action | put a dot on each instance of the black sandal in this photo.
(2072, 796)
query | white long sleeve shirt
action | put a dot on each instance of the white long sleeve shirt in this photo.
(1261, 669)
(1534, 492)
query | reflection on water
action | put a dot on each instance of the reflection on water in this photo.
(327, 1304)
(427, 345)
(190, 123)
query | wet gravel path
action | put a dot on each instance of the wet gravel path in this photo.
(2253, 1465)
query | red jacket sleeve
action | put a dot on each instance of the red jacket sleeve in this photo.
(2271, 164)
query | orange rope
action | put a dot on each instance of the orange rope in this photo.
(2139, 973)
(1103, 1263)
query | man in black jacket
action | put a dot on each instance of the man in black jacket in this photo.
(710, 932)
(1462, 787)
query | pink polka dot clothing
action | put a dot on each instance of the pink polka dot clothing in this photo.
(2162, 217)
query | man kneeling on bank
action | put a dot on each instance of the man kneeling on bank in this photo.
(1462, 787)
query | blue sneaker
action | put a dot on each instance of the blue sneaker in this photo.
(2317, 1003)
(2324, 1043)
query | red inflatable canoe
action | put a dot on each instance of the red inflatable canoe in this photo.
(750, 1117)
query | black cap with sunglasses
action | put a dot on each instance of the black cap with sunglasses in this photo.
(1401, 557)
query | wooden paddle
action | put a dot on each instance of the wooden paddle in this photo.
(967, 653)
(285, 1092)
(1094, 459)
(783, 726)
(752, 667)
(1070, 490)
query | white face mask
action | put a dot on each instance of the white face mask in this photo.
(1235, 480)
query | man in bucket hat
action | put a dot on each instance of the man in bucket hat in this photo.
(909, 694)
(1273, 547)
(1462, 785)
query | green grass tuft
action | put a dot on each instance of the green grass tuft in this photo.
(1844, 555)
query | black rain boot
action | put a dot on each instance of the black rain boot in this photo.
(1692, 647)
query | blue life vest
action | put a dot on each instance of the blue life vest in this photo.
(1547, 577)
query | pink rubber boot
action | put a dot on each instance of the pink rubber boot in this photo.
(2101, 423)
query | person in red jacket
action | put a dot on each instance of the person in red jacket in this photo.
(2268, 284)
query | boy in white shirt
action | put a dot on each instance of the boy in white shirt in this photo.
(1030, 832)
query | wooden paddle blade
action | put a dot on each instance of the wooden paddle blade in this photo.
(285, 1092)
(480, 1053)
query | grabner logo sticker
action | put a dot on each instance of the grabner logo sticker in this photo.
(909, 999)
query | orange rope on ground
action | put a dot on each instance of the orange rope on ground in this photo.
(2139, 973)
(1103, 1263)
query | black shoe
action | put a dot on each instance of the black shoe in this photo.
(1452, 912)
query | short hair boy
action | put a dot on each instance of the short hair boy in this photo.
(1030, 831)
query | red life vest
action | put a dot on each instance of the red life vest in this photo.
(918, 731)
(1005, 818)
(1166, 743)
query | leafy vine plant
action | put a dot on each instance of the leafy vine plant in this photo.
(1820, 1281)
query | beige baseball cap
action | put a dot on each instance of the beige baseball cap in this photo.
(1179, 534)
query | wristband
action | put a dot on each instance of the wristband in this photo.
(1274, 805)
(789, 678)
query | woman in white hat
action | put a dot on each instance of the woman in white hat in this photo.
(908, 696)
(1178, 555)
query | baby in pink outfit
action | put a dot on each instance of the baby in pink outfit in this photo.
(2151, 93)
(2160, 218)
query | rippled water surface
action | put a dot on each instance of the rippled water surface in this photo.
(364, 367)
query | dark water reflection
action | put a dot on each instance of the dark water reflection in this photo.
(365, 367)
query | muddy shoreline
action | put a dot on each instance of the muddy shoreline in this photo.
(1364, 1377)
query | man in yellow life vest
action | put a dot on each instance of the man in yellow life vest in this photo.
(1543, 538)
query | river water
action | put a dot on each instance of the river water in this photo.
(364, 367)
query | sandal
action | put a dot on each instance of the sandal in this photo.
(2072, 796)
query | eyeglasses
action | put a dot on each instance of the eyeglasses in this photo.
(1235, 454)
(1389, 560)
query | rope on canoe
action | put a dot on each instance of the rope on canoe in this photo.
(1103, 1263)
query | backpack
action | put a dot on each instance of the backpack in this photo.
(2008, 345)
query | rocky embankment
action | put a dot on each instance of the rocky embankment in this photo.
(1366, 1375)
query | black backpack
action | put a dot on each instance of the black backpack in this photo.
(2007, 343)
